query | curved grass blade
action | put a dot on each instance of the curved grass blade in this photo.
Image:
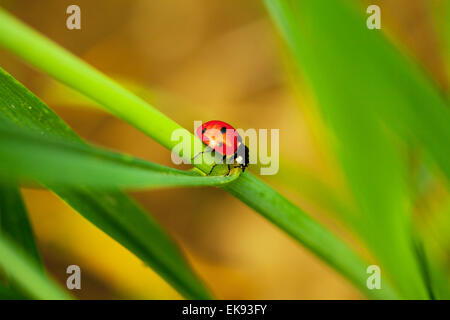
(9, 294)
(388, 89)
(14, 220)
(65, 67)
(71, 70)
(113, 212)
(304, 229)
(15, 224)
(317, 191)
(27, 274)
(390, 86)
(120, 217)
(26, 155)
(441, 17)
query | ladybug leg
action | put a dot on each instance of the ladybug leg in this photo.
(207, 150)
(212, 168)
(229, 170)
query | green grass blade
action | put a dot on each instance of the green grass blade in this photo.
(113, 212)
(304, 229)
(320, 193)
(7, 293)
(15, 224)
(388, 84)
(441, 17)
(434, 233)
(70, 70)
(65, 67)
(117, 215)
(331, 58)
(14, 220)
(26, 273)
(27, 155)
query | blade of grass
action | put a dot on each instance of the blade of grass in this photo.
(65, 67)
(291, 219)
(15, 224)
(441, 18)
(14, 220)
(374, 166)
(27, 274)
(9, 294)
(56, 162)
(401, 94)
(433, 231)
(71, 70)
(113, 212)
(316, 190)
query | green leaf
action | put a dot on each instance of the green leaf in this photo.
(441, 18)
(26, 273)
(389, 85)
(9, 294)
(113, 212)
(304, 229)
(70, 70)
(14, 220)
(14, 223)
(434, 244)
(362, 84)
(56, 162)
(117, 215)
(314, 189)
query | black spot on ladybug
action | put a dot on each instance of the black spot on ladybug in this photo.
(223, 130)
(203, 131)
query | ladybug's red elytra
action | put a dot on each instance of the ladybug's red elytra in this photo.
(222, 138)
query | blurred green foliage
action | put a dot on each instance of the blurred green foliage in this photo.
(382, 110)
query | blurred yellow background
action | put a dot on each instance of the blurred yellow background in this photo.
(198, 60)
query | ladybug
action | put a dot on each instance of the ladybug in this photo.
(220, 137)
